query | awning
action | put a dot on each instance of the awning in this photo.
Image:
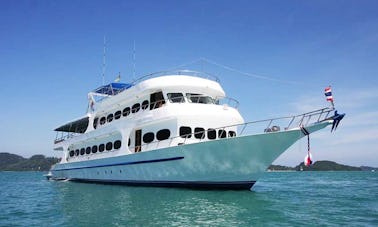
(78, 126)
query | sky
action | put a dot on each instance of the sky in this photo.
(275, 57)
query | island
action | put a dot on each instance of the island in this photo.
(321, 166)
(13, 162)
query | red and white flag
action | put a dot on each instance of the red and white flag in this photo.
(328, 94)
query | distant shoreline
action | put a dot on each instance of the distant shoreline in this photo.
(13, 162)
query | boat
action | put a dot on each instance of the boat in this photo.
(174, 129)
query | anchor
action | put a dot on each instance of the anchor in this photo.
(336, 120)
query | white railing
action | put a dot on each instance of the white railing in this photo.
(248, 128)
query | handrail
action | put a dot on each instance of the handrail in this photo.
(177, 72)
(300, 118)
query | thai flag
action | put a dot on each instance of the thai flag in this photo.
(328, 94)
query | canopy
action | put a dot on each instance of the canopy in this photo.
(112, 88)
(78, 126)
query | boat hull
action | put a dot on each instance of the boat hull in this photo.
(230, 163)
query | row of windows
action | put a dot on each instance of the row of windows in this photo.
(156, 101)
(102, 147)
(160, 135)
(200, 133)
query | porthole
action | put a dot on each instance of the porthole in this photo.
(77, 152)
(88, 150)
(145, 104)
(94, 149)
(72, 153)
(231, 134)
(95, 121)
(185, 132)
(211, 134)
(101, 148)
(110, 118)
(222, 133)
(117, 144)
(109, 146)
(135, 108)
(82, 151)
(148, 137)
(199, 133)
(163, 134)
(117, 114)
(102, 120)
(126, 112)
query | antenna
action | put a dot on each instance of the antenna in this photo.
(134, 61)
(103, 62)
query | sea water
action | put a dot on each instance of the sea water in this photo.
(278, 199)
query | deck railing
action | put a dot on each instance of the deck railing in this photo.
(248, 128)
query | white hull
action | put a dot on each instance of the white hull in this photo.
(235, 162)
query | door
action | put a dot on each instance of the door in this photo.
(138, 140)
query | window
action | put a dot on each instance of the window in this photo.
(94, 149)
(163, 134)
(145, 104)
(88, 150)
(156, 100)
(95, 123)
(126, 112)
(109, 146)
(198, 98)
(211, 134)
(176, 97)
(185, 132)
(148, 137)
(117, 114)
(72, 153)
(102, 120)
(101, 148)
(117, 144)
(135, 108)
(129, 142)
(77, 152)
(110, 118)
(199, 133)
(222, 133)
(82, 151)
(231, 134)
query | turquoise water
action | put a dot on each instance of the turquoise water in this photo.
(278, 199)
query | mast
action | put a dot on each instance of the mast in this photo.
(103, 62)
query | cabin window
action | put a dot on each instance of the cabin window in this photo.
(211, 134)
(185, 132)
(102, 120)
(101, 148)
(94, 149)
(198, 98)
(88, 150)
(163, 134)
(148, 137)
(117, 144)
(126, 112)
(82, 151)
(129, 142)
(199, 133)
(110, 118)
(72, 153)
(231, 134)
(77, 152)
(117, 115)
(95, 121)
(109, 146)
(176, 97)
(222, 133)
(145, 104)
(135, 108)
(156, 100)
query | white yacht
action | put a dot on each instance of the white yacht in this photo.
(175, 129)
